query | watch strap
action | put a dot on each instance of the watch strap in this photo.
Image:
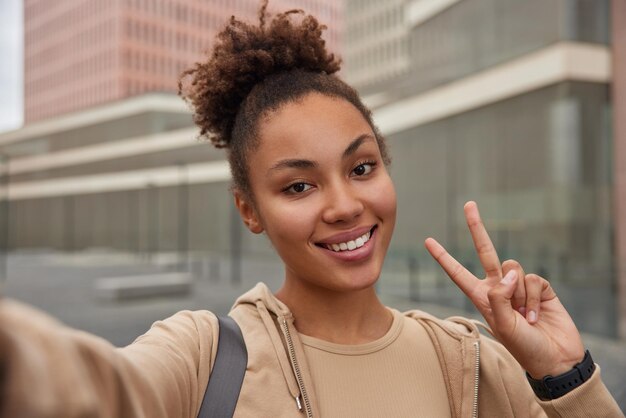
(553, 387)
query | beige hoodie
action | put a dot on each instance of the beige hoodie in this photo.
(52, 371)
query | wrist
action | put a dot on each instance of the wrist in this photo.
(553, 368)
(554, 386)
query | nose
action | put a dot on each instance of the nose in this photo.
(343, 204)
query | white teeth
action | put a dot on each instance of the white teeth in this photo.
(350, 245)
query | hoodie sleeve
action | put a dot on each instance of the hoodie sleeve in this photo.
(500, 373)
(50, 370)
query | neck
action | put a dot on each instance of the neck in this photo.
(350, 317)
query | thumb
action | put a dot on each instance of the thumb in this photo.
(500, 300)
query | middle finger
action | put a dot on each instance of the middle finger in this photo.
(484, 247)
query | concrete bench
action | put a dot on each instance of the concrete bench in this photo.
(143, 286)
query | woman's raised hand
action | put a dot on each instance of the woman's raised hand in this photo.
(522, 309)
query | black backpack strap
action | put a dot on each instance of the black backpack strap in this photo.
(226, 377)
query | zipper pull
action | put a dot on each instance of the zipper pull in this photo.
(298, 403)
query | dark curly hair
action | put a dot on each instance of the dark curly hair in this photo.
(253, 70)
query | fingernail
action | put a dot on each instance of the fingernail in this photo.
(509, 277)
(522, 310)
(532, 316)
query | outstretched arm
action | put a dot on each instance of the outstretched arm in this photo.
(50, 370)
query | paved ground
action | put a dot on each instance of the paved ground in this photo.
(63, 285)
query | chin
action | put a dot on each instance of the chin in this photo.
(358, 281)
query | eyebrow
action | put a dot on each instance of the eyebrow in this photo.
(293, 163)
(308, 164)
(354, 145)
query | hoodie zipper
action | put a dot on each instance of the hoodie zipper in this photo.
(296, 368)
(476, 380)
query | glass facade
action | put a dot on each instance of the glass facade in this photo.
(473, 35)
(539, 166)
(189, 217)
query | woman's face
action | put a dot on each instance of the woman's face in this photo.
(323, 195)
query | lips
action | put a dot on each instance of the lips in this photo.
(348, 241)
(350, 245)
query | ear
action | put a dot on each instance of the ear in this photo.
(248, 213)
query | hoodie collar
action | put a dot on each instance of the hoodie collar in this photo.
(262, 293)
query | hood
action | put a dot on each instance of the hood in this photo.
(455, 326)
(261, 293)
(260, 304)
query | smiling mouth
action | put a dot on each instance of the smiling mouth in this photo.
(349, 245)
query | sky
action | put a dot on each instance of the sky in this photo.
(11, 66)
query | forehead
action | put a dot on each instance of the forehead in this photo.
(313, 125)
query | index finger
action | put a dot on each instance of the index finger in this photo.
(465, 280)
(484, 247)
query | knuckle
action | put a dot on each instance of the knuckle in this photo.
(533, 299)
(511, 264)
(492, 271)
(456, 270)
(484, 248)
(493, 293)
(532, 305)
(530, 299)
(533, 279)
(475, 222)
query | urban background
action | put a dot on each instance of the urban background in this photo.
(113, 214)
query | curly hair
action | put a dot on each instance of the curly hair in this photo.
(253, 70)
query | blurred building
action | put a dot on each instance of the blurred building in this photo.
(81, 53)
(377, 40)
(507, 103)
(109, 156)
(504, 102)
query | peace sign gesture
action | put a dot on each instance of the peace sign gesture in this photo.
(522, 309)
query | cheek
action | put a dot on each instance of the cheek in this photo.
(383, 200)
(287, 223)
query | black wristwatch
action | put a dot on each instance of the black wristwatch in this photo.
(552, 387)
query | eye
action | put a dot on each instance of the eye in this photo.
(296, 188)
(363, 168)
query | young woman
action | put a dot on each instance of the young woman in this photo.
(309, 171)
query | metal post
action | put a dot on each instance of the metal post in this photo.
(235, 246)
(133, 222)
(564, 267)
(414, 294)
(183, 218)
(153, 219)
(68, 223)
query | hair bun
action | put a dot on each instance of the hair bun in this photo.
(244, 56)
